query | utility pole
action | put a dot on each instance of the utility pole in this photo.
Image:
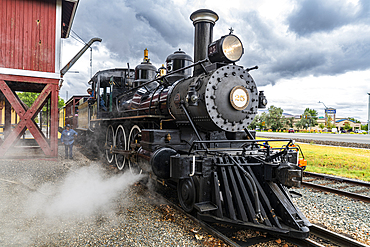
(326, 113)
(368, 116)
(90, 62)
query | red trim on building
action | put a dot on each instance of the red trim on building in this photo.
(28, 43)
(28, 35)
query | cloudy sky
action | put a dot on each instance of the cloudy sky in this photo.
(307, 50)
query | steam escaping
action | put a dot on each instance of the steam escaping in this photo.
(85, 192)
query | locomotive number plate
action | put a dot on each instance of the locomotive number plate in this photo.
(239, 98)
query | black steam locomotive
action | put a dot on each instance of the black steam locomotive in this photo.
(187, 123)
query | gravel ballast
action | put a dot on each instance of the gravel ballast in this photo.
(337, 213)
(80, 203)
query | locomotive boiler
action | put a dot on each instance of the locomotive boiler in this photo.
(187, 124)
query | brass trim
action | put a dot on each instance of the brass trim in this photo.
(239, 108)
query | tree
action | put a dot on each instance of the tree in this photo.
(309, 118)
(253, 125)
(330, 123)
(258, 121)
(353, 120)
(299, 125)
(347, 126)
(364, 127)
(274, 118)
(289, 121)
(28, 98)
(262, 120)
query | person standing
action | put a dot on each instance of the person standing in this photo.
(67, 138)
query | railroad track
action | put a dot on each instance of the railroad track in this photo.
(319, 236)
(317, 233)
(346, 183)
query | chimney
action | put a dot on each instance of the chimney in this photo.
(203, 21)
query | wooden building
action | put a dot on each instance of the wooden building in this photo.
(30, 54)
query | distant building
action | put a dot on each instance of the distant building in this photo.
(339, 123)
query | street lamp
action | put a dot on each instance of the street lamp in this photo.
(325, 112)
(323, 104)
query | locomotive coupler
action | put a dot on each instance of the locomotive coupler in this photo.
(289, 175)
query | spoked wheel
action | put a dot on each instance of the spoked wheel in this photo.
(133, 138)
(186, 194)
(109, 143)
(120, 144)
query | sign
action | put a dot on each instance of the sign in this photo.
(331, 111)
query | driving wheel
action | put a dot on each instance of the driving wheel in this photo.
(109, 143)
(120, 144)
(134, 138)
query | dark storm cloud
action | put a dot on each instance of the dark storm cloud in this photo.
(316, 15)
(170, 22)
(313, 16)
(128, 27)
(333, 38)
(321, 37)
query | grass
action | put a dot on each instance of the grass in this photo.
(339, 161)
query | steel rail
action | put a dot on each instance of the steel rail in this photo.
(345, 180)
(322, 233)
(218, 233)
(238, 243)
(304, 242)
(335, 237)
(336, 191)
(204, 225)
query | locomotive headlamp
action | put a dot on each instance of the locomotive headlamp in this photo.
(228, 49)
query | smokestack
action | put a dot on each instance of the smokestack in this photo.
(203, 21)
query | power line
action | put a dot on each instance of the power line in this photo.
(77, 39)
(78, 36)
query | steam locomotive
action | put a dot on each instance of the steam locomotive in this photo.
(187, 124)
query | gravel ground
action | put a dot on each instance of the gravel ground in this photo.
(79, 203)
(337, 213)
(341, 186)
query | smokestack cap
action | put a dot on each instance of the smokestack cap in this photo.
(204, 15)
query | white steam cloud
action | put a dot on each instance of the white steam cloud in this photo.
(35, 212)
(84, 192)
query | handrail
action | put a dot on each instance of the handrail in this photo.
(236, 141)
